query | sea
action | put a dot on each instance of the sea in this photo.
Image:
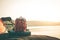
(53, 31)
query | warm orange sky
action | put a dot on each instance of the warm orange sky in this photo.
(45, 10)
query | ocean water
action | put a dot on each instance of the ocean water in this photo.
(53, 31)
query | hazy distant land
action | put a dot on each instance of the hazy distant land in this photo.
(42, 23)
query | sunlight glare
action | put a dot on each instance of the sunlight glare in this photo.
(45, 10)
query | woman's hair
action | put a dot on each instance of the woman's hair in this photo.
(20, 24)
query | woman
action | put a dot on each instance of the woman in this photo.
(20, 24)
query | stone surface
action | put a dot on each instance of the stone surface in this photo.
(33, 37)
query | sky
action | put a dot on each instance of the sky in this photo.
(41, 10)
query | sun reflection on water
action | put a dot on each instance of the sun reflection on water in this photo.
(45, 30)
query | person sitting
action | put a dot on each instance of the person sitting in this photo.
(20, 24)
